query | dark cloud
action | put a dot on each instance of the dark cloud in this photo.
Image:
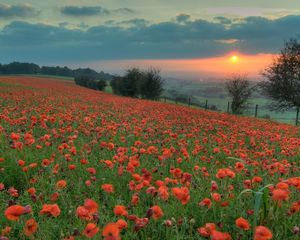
(140, 39)
(138, 22)
(223, 20)
(84, 11)
(10, 11)
(183, 18)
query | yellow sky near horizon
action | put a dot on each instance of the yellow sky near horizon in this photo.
(250, 65)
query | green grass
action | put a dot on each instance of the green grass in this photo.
(108, 88)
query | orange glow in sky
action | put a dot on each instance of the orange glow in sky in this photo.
(219, 67)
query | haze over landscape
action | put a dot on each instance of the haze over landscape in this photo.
(186, 39)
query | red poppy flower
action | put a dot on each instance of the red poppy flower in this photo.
(50, 209)
(242, 223)
(90, 230)
(31, 227)
(262, 233)
(14, 212)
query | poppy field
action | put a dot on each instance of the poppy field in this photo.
(82, 164)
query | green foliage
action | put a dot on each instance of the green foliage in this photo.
(101, 84)
(136, 83)
(31, 68)
(90, 82)
(151, 87)
(260, 204)
(282, 77)
(14, 176)
(240, 90)
(131, 82)
(19, 68)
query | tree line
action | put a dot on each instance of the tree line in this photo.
(137, 83)
(32, 68)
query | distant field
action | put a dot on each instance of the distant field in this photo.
(215, 94)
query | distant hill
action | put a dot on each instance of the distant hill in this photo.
(32, 68)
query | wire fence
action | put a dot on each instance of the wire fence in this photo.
(256, 110)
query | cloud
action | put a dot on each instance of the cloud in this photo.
(84, 11)
(198, 38)
(183, 18)
(137, 22)
(88, 11)
(125, 11)
(10, 11)
(223, 20)
(227, 41)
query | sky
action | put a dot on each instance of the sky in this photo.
(190, 38)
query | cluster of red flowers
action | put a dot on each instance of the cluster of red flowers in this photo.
(80, 163)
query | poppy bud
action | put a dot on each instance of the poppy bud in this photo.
(149, 213)
(96, 217)
(296, 230)
(76, 232)
(168, 223)
(179, 221)
(33, 198)
(11, 202)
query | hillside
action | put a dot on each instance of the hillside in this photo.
(84, 164)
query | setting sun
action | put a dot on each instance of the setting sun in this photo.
(234, 59)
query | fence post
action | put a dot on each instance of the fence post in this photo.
(206, 104)
(256, 108)
(228, 107)
(176, 100)
(297, 116)
(165, 99)
(189, 101)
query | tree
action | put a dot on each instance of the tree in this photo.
(137, 83)
(101, 84)
(92, 84)
(282, 77)
(131, 82)
(82, 80)
(240, 90)
(152, 84)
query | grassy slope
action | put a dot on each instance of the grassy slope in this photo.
(100, 126)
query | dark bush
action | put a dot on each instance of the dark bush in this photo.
(101, 84)
(136, 83)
